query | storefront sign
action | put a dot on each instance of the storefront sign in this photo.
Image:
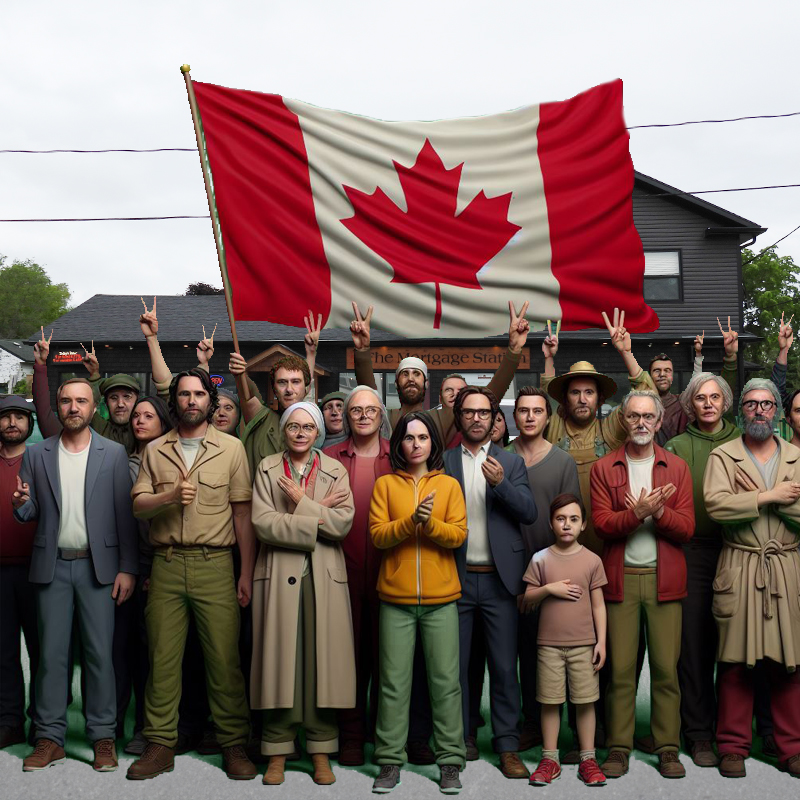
(448, 358)
(217, 380)
(67, 357)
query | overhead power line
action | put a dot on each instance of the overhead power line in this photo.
(765, 249)
(194, 149)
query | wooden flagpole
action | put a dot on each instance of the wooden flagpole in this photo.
(241, 380)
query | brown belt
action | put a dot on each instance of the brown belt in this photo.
(640, 570)
(481, 568)
(71, 555)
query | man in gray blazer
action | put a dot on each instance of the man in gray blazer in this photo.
(491, 564)
(85, 556)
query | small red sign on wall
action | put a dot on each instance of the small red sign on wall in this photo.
(67, 357)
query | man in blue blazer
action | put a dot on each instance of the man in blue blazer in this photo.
(85, 556)
(491, 563)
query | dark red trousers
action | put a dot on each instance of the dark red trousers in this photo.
(735, 713)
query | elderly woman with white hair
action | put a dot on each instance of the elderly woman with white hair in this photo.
(705, 401)
(303, 667)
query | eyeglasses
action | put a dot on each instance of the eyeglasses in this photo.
(764, 405)
(648, 419)
(531, 412)
(370, 412)
(480, 413)
(294, 427)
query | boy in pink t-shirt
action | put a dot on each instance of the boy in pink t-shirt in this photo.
(566, 579)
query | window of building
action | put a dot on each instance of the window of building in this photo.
(662, 276)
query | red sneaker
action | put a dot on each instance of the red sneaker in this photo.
(547, 772)
(590, 773)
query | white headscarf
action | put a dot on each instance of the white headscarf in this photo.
(412, 362)
(313, 411)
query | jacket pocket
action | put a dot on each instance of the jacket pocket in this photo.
(212, 492)
(517, 545)
(337, 575)
(164, 481)
(726, 593)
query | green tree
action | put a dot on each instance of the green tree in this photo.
(771, 287)
(28, 298)
(201, 288)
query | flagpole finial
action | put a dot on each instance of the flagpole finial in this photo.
(185, 68)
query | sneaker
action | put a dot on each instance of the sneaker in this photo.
(136, 745)
(420, 753)
(547, 772)
(387, 779)
(10, 735)
(615, 765)
(45, 754)
(590, 773)
(731, 765)
(472, 749)
(703, 754)
(105, 756)
(155, 760)
(448, 780)
(669, 765)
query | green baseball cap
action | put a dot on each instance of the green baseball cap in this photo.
(332, 396)
(119, 382)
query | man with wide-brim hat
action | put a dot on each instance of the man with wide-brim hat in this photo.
(580, 394)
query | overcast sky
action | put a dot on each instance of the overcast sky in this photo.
(105, 75)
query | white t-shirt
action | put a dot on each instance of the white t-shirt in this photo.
(189, 448)
(641, 549)
(72, 533)
(479, 552)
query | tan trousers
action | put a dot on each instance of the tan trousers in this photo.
(662, 622)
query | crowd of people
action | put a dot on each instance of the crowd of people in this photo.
(347, 572)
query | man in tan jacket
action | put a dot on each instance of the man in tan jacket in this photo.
(752, 487)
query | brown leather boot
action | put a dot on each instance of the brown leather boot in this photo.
(615, 765)
(237, 765)
(105, 756)
(669, 765)
(45, 754)
(156, 759)
(731, 765)
(323, 774)
(274, 774)
(512, 767)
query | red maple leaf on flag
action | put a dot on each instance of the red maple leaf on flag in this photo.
(429, 242)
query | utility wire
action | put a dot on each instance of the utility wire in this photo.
(194, 149)
(764, 250)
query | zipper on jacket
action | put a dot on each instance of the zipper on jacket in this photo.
(419, 556)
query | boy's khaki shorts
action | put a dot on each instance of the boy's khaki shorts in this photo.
(558, 666)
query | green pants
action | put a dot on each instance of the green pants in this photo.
(281, 725)
(663, 628)
(438, 627)
(195, 581)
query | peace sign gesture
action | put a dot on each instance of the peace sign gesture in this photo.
(519, 327)
(205, 347)
(620, 337)
(359, 328)
(90, 362)
(148, 321)
(42, 348)
(785, 334)
(311, 338)
(550, 343)
(698, 343)
(730, 339)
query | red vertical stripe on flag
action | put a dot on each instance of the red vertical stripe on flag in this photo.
(597, 254)
(263, 191)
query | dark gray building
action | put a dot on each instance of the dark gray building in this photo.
(692, 276)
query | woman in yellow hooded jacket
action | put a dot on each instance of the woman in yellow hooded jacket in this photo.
(418, 517)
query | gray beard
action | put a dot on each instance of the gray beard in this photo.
(642, 439)
(760, 431)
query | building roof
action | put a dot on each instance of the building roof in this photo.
(17, 348)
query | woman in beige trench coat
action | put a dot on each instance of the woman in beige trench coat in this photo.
(303, 666)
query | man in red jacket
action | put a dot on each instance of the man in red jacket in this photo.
(643, 510)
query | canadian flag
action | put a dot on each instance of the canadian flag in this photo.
(436, 224)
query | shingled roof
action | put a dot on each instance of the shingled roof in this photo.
(115, 318)
(17, 348)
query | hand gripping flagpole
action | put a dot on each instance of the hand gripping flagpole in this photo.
(242, 388)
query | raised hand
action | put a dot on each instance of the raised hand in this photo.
(620, 337)
(550, 343)
(518, 328)
(205, 347)
(566, 590)
(698, 343)
(90, 361)
(237, 365)
(359, 328)
(785, 334)
(148, 321)
(493, 471)
(730, 339)
(22, 495)
(311, 339)
(424, 509)
(41, 349)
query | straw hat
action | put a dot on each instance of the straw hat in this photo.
(582, 369)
